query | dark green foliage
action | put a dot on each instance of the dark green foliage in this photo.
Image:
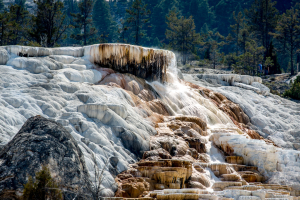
(1, 5)
(262, 19)
(83, 22)
(103, 21)
(294, 92)
(19, 20)
(201, 12)
(181, 34)
(4, 28)
(49, 24)
(71, 7)
(43, 188)
(271, 53)
(288, 33)
(20, 3)
(137, 18)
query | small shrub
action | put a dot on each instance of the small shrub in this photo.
(294, 92)
(43, 188)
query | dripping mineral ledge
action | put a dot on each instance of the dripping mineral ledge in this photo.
(147, 63)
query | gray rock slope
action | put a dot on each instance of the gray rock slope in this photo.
(42, 142)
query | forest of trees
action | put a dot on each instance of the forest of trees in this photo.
(239, 34)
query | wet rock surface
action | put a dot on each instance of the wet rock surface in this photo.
(42, 142)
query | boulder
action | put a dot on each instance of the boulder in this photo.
(42, 142)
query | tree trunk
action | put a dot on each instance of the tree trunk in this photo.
(84, 34)
(292, 63)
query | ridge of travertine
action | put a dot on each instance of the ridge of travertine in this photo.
(122, 118)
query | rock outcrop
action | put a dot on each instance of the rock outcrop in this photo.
(42, 142)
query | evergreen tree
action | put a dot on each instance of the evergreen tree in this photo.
(204, 29)
(236, 29)
(138, 16)
(19, 20)
(272, 55)
(181, 33)
(71, 7)
(83, 21)
(4, 28)
(201, 12)
(103, 20)
(1, 5)
(43, 188)
(288, 33)
(212, 43)
(249, 61)
(294, 92)
(159, 16)
(49, 23)
(262, 19)
(20, 3)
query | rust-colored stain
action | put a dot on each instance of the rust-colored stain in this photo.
(149, 64)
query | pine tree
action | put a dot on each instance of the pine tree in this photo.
(236, 29)
(138, 16)
(262, 19)
(201, 12)
(71, 7)
(83, 21)
(103, 20)
(212, 43)
(272, 55)
(1, 5)
(20, 3)
(288, 33)
(43, 188)
(159, 16)
(49, 23)
(19, 20)
(249, 61)
(4, 28)
(181, 33)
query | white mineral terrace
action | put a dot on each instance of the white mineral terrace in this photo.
(58, 83)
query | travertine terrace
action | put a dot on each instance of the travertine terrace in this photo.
(156, 136)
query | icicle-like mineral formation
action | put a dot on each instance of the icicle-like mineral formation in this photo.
(147, 63)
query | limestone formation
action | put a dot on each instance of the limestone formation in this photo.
(163, 137)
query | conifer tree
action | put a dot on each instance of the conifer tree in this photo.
(262, 19)
(138, 16)
(4, 28)
(1, 5)
(201, 12)
(71, 7)
(288, 33)
(19, 20)
(49, 23)
(83, 21)
(159, 16)
(43, 188)
(103, 20)
(181, 33)
(236, 29)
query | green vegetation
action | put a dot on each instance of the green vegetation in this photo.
(44, 187)
(294, 92)
(239, 34)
